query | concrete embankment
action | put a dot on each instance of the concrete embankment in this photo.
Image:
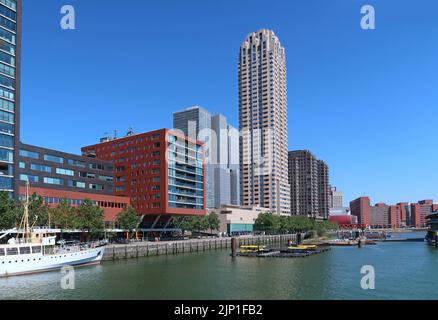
(148, 249)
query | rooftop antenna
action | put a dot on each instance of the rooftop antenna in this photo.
(130, 132)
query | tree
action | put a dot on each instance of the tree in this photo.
(90, 217)
(38, 211)
(267, 222)
(128, 219)
(8, 212)
(213, 221)
(199, 223)
(63, 216)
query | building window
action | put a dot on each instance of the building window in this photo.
(6, 128)
(38, 167)
(65, 172)
(76, 184)
(76, 163)
(22, 165)
(54, 181)
(96, 166)
(106, 178)
(55, 159)
(29, 154)
(95, 186)
(30, 178)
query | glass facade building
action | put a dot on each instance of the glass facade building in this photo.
(186, 174)
(10, 47)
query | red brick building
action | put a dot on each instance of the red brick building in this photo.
(361, 209)
(162, 172)
(402, 214)
(111, 205)
(420, 211)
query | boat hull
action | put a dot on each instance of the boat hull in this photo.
(30, 264)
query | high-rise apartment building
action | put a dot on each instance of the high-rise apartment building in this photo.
(309, 184)
(10, 62)
(263, 123)
(221, 148)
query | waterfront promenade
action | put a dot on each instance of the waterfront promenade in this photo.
(146, 249)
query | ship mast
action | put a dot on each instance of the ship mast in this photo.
(24, 224)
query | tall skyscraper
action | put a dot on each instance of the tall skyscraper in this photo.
(10, 61)
(309, 184)
(263, 123)
(221, 149)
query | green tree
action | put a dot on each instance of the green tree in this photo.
(90, 217)
(199, 223)
(8, 211)
(38, 211)
(63, 216)
(213, 221)
(267, 222)
(185, 223)
(128, 219)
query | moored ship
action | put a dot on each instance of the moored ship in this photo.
(35, 250)
(432, 232)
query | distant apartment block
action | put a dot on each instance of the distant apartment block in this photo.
(402, 214)
(263, 123)
(162, 172)
(309, 184)
(222, 151)
(419, 212)
(336, 198)
(58, 176)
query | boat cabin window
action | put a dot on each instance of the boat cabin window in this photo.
(2, 252)
(12, 251)
(36, 249)
(25, 250)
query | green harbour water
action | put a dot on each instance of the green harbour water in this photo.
(403, 271)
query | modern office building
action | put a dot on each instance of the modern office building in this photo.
(10, 69)
(309, 184)
(263, 123)
(222, 149)
(392, 216)
(162, 172)
(56, 176)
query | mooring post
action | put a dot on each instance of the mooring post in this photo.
(233, 247)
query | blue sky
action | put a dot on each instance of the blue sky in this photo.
(363, 101)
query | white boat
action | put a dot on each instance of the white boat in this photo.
(34, 251)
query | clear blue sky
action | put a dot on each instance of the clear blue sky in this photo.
(366, 102)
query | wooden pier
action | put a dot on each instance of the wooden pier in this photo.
(148, 249)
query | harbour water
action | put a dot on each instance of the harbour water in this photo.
(403, 271)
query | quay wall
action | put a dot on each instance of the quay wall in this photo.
(149, 249)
